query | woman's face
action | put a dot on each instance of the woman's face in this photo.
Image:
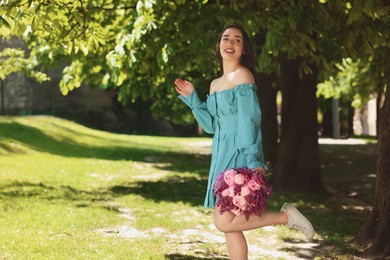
(231, 45)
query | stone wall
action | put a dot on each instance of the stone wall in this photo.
(92, 107)
(23, 95)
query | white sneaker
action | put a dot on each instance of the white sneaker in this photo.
(297, 221)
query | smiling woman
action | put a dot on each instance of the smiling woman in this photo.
(236, 40)
(232, 113)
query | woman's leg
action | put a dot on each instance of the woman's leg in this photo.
(289, 215)
(233, 226)
(229, 222)
(236, 245)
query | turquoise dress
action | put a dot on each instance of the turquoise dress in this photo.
(234, 117)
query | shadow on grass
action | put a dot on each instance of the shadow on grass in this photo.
(335, 218)
(190, 190)
(39, 141)
(350, 170)
(174, 189)
(306, 252)
(80, 198)
(185, 257)
(339, 162)
(319, 248)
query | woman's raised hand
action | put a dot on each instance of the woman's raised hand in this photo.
(184, 87)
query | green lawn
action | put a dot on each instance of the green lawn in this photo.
(70, 192)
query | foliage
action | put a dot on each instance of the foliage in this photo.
(361, 73)
(140, 47)
(12, 60)
(354, 82)
(114, 44)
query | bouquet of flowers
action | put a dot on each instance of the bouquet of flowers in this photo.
(241, 191)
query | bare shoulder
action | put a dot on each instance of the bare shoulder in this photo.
(243, 75)
(214, 82)
(214, 85)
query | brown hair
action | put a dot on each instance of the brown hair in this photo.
(247, 56)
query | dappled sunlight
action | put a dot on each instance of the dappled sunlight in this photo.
(42, 191)
(171, 189)
(190, 257)
(357, 208)
(65, 138)
(145, 189)
(348, 168)
(305, 249)
(196, 240)
(199, 147)
(349, 141)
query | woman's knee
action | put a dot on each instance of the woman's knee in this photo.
(223, 221)
(218, 225)
(221, 225)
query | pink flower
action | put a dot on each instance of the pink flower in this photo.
(239, 179)
(254, 185)
(245, 190)
(228, 176)
(239, 201)
(241, 191)
(225, 192)
(231, 191)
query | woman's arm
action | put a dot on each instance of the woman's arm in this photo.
(184, 87)
(249, 138)
(249, 120)
(199, 109)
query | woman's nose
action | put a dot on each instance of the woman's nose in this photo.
(230, 42)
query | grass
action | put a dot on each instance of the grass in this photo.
(70, 192)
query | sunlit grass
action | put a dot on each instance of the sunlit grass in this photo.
(60, 182)
(70, 192)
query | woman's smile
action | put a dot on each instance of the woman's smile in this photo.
(230, 50)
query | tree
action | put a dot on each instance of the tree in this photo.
(311, 37)
(355, 82)
(139, 47)
(13, 61)
(374, 235)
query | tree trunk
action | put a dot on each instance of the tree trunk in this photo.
(269, 123)
(378, 106)
(298, 162)
(351, 112)
(267, 98)
(327, 124)
(144, 116)
(375, 233)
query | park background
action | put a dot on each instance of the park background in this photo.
(99, 158)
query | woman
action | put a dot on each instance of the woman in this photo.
(232, 113)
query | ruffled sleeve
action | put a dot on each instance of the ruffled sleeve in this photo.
(199, 109)
(249, 137)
